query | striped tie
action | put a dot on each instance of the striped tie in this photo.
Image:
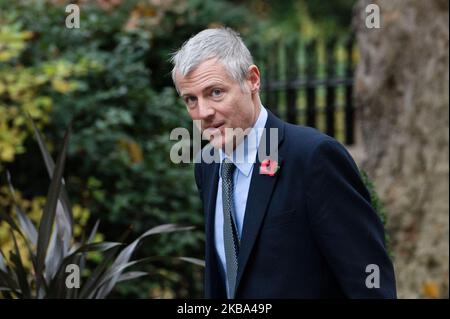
(230, 237)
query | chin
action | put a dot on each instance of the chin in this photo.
(217, 142)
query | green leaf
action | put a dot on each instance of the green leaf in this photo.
(26, 224)
(131, 275)
(165, 228)
(110, 279)
(54, 256)
(2, 262)
(6, 279)
(82, 257)
(102, 246)
(194, 261)
(89, 288)
(73, 293)
(28, 228)
(65, 211)
(126, 253)
(57, 286)
(10, 221)
(93, 232)
(19, 269)
(48, 216)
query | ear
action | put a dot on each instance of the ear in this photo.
(253, 78)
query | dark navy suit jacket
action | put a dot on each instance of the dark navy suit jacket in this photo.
(309, 231)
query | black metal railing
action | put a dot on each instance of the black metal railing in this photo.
(311, 83)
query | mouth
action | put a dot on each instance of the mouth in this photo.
(215, 126)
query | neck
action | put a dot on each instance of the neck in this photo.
(257, 112)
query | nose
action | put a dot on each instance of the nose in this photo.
(204, 109)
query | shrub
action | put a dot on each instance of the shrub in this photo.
(52, 248)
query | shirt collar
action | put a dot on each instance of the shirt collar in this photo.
(244, 155)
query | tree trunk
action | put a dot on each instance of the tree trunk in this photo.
(402, 99)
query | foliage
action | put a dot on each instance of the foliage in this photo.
(378, 205)
(308, 18)
(33, 209)
(22, 89)
(119, 90)
(52, 248)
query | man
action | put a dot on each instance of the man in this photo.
(297, 225)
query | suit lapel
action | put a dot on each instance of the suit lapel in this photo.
(213, 283)
(212, 179)
(260, 192)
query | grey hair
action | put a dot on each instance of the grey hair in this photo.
(224, 44)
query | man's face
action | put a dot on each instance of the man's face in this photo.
(215, 99)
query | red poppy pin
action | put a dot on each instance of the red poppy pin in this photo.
(269, 167)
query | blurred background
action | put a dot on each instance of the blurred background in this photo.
(382, 92)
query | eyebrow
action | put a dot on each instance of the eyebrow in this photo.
(209, 87)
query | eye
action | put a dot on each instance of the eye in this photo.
(190, 101)
(216, 92)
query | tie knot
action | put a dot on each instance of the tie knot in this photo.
(227, 169)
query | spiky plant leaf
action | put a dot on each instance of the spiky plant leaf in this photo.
(50, 165)
(131, 275)
(194, 261)
(48, 216)
(10, 221)
(60, 243)
(52, 247)
(111, 277)
(25, 223)
(54, 256)
(126, 253)
(20, 269)
(2, 262)
(88, 288)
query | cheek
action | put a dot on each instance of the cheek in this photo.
(192, 113)
(233, 106)
(242, 109)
